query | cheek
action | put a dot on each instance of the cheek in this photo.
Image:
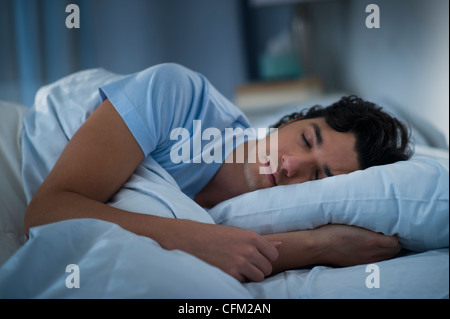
(344, 161)
(340, 148)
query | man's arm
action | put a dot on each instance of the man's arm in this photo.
(334, 245)
(96, 163)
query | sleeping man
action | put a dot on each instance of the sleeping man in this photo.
(138, 121)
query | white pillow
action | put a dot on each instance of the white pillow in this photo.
(12, 198)
(409, 199)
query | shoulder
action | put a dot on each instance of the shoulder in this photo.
(171, 74)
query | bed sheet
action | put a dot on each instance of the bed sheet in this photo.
(111, 263)
(411, 276)
(114, 263)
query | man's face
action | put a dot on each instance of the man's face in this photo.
(307, 150)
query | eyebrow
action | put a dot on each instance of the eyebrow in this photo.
(318, 134)
(319, 141)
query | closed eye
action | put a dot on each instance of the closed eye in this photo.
(306, 141)
(316, 174)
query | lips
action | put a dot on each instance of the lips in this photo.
(272, 179)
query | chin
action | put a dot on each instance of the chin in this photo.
(253, 178)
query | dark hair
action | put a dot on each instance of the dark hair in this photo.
(380, 138)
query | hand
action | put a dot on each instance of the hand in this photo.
(243, 254)
(345, 245)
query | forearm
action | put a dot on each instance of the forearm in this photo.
(336, 245)
(297, 249)
(48, 207)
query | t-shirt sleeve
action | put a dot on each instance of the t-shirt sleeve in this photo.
(154, 101)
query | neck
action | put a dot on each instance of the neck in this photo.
(227, 183)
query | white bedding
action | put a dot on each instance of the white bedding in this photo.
(115, 263)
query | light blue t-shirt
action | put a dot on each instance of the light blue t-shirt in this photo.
(156, 102)
(177, 117)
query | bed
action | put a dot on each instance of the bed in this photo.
(88, 258)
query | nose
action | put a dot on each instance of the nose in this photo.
(296, 168)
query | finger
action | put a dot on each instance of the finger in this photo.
(252, 273)
(275, 244)
(239, 277)
(267, 249)
(263, 264)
